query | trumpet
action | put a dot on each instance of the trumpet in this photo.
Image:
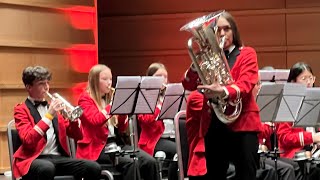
(69, 111)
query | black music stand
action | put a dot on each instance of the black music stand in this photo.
(276, 105)
(174, 100)
(281, 75)
(309, 116)
(136, 95)
(276, 75)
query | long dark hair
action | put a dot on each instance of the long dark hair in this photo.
(235, 30)
(297, 69)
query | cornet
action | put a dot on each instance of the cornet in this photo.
(69, 111)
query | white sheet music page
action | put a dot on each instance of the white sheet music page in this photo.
(172, 100)
(293, 94)
(149, 93)
(267, 100)
(310, 109)
(123, 99)
(281, 75)
(266, 75)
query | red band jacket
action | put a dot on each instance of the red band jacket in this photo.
(245, 76)
(292, 139)
(95, 130)
(151, 131)
(32, 129)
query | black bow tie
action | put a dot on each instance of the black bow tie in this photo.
(37, 103)
(226, 53)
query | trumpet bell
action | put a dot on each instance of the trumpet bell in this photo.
(75, 113)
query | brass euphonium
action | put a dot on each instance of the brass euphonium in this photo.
(69, 111)
(213, 66)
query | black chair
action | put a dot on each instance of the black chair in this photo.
(14, 143)
(108, 170)
(182, 143)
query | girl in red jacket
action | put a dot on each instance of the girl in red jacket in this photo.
(100, 129)
(212, 143)
(158, 134)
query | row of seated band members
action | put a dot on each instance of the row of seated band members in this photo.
(213, 144)
(292, 140)
(44, 153)
(43, 131)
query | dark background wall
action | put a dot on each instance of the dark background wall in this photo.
(133, 34)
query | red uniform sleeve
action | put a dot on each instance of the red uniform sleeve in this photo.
(291, 137)
(30, 135)
(248, 74)
(91, 114)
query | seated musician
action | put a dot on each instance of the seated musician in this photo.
(100, 128)
(287, 169)
(293, 139)
(43, 132)
(158, 134)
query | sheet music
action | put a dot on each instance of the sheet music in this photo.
(149, 82)
(128, 82)
(172, 101)
(149, 93)
(266, 75)
(293, 94)
(281, 75)
(268, 99)
(125, 94)
(309, 112)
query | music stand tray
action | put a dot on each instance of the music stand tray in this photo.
(310, 110)
(136, 95)
(172, 102)
(280, 102)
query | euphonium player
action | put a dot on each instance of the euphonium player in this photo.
(212, 143)
(158, 134)
(44, 152)
(100, 129)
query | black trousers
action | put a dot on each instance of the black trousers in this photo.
(45, 167)
(145, 163)
(286, 169)
(224, 146)
(169, 147)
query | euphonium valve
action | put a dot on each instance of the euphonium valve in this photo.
(69, 111)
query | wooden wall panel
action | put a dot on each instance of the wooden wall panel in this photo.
(302, 4)
(116, 7)
(161, 32)
(262, 30)
(137, 65)
(302, 29)
(46, 33)
(275, 59)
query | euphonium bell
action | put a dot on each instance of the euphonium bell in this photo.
(69, 111)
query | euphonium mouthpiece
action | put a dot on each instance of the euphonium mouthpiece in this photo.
(222, 41)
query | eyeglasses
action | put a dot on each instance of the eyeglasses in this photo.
(307, 78)
(224, 28)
